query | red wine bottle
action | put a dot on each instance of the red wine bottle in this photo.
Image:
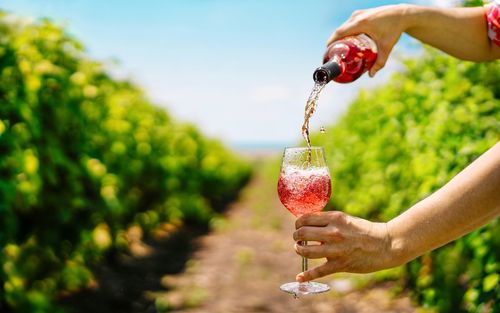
(347, 59)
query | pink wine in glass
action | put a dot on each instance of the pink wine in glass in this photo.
(304, 190)
(347, 59)
(304, 186)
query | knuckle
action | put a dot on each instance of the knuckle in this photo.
(336, 216)
(334, 234)
(380, 64)
(357, 13)
(332, 231)
(357, 20)
(354, 24)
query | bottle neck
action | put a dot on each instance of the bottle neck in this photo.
(327, 72)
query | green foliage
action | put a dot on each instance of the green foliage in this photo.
(473, 3)
(82, 157)
(402, 141)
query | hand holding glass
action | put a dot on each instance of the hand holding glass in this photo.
(304, 187)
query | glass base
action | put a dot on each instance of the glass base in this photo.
(298, 289)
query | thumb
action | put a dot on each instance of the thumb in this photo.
(379, 63)
(319, 271)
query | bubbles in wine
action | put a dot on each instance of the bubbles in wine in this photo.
(304, 190)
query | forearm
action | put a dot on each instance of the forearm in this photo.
(468, 201)
(460, 32)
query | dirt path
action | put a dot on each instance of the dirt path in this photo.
(240, 265)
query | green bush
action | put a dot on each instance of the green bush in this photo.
(402, 141)
(82, 157)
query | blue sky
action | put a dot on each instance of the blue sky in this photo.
(240, 70)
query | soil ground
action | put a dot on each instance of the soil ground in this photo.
(237, 267)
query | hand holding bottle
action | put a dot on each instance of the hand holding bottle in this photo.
(347, 59)
(460, 32)
(383, 24)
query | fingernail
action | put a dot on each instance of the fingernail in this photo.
(372, 73)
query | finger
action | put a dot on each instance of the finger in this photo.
(319, 271)
(379, 63)
(319, 251)
(346, 29)
(311, 252)
(333, 37)
(339, 33)
(311, 219)
(310, 233)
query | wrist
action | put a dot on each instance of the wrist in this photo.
(389, 256)
(399, 244)
(411, 15)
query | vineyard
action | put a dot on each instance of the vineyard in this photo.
(86, 160)
(83, 157)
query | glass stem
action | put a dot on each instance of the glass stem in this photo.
(305, 265)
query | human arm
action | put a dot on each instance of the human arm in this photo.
(350, 244)
(460, 32)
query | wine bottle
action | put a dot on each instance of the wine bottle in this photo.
(345, 60)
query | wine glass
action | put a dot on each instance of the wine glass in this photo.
(304, 187)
